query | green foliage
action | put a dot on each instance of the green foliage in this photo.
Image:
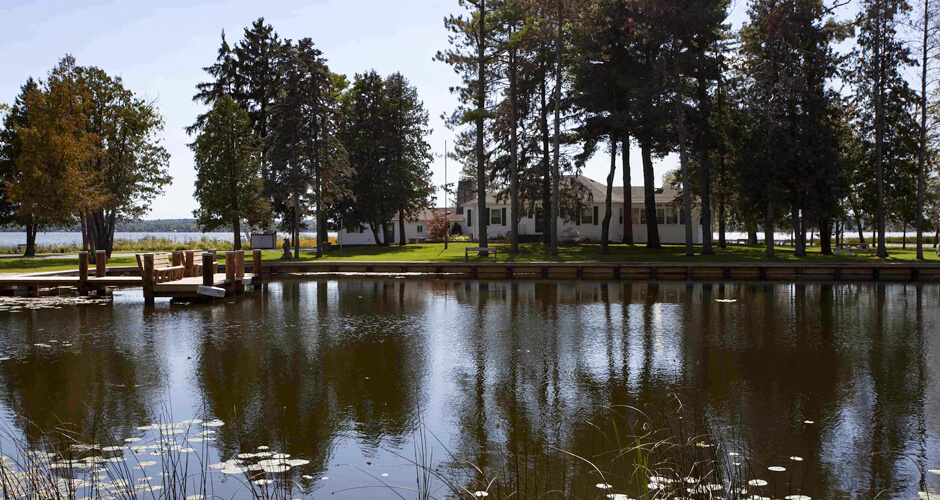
(228, 182)
(384, 130)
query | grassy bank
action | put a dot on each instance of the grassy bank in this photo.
(435, 252)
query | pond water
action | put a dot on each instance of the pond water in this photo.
(839, 385)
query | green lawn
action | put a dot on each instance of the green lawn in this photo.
(435, 252)
(41, 264)
(590, 253)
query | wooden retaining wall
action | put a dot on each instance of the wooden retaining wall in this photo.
(906, 272)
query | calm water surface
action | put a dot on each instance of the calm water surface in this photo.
(349, 374)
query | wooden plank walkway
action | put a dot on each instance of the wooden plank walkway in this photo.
(189, 287)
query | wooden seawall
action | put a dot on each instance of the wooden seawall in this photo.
(849, 272)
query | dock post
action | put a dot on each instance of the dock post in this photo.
(147, 279)
(189, 262)
(239, 271)
(101, 263)
(230, 270)
(208, 277)
(256, 266)
(83, 273)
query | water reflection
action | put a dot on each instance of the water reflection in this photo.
(505, 374)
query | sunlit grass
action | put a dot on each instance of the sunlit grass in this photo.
(435, 252)
(533, 252)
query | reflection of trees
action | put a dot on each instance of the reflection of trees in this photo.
(545, 362)
(98, 379)
(311, 360)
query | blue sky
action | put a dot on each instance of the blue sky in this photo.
(160, 48)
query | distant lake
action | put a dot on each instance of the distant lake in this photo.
(65, 238)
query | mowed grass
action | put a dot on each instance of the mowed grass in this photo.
(44, 264)
(435, 252)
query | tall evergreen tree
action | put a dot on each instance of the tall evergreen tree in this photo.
(305, 152)
(228, 171)
(11, 145)
(409, 154)
(882, 91)
(472, 55)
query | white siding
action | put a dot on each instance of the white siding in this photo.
(668, 233)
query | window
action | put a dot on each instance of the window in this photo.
(496, 217)
(639, 216)
(620, 216)
(420, 229)
(469, 218)
(660, 215)
(587, 215)
(671, 217)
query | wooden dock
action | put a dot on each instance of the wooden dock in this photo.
(188, 284)
(199, 281)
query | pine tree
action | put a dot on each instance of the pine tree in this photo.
(304, 151)
(473, 56)
(409, 154)
(883, 94)
(228, 171)
(11, 145)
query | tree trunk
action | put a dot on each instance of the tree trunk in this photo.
(861, 232)
(546, 165)
(904, 238)
(84, 227)
(608, 205)
(236, 236)
(652, 229)
(705, 168)
(769, 229)
(481, 107)
(799, 233)
(321, 215)
(401, 227)
(31, 230)
(825, 237)
(374, 227)
(513, 156)
(879, 148)
(752, 234)
(112, 221)
(296, 228)
(922, 157)
(553, 243)
(686, 180)
(627, 194)
(722, 239)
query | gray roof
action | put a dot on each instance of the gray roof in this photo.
(598, 192)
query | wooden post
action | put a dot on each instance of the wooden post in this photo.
(256, 264)
(147, 278)
(208, 278)
(230, 270)
(83, 273)
(240, 264)
(177, 258)
(101, 263)
(189, 262)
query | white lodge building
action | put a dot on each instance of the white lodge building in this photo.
(668, 216)
(415, 231)
(671, 230)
